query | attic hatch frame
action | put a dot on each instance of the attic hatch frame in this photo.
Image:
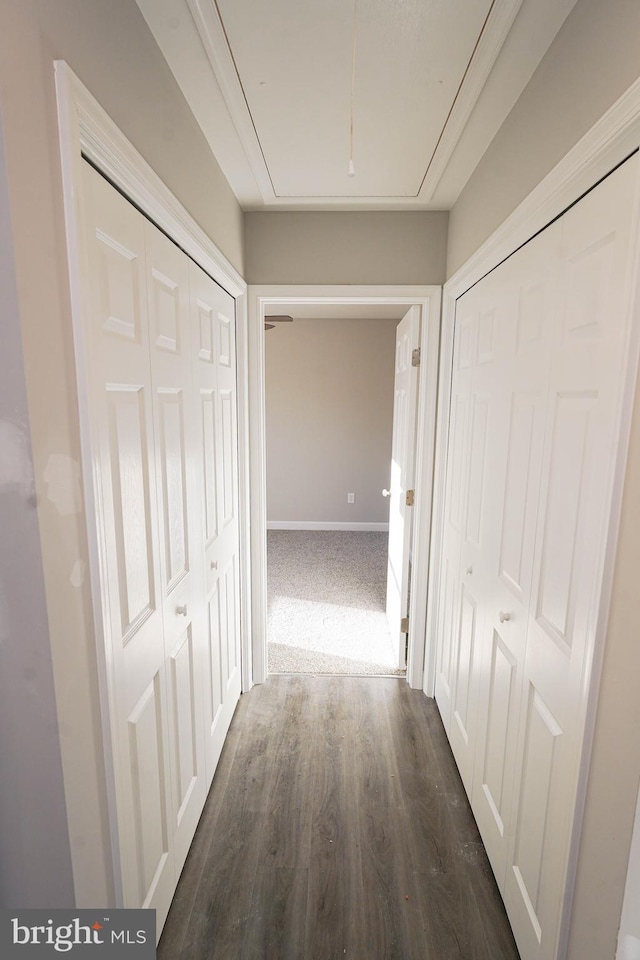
(427, 298)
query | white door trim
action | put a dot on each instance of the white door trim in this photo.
(428, 299)
(86, 130)
(609, 142)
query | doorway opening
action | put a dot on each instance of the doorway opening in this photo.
(312, 551)
(329, 386)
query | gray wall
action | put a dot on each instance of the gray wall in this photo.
(35, 860)
(629, 940)
(329, 393)
(384, 247)
(592, 61)
(108, 45)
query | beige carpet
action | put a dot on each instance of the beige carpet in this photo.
(326, 593)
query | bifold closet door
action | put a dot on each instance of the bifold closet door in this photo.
(539, 354)
(213, 336)
(160, 349)
(177, 448)
(581, 440)
(126, 483)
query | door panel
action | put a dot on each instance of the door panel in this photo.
(401, 476)
(565, 502)
(538, 365)
(179, 513)
(121, 401)
(128, 445)
(185, 720)
(449, 594)
(581, 435)
(173, 479)
(160, 343)
(214, 368)
(148, 763)
(519, 374)
(540, 755)
(210, 445)
(501, 714)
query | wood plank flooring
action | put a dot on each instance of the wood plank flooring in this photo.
(337, 827)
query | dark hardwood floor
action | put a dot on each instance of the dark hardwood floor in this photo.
(337, 826)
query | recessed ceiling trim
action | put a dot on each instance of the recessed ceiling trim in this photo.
(494, 33)
(210, 27)
(214, 39)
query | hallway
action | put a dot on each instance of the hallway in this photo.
(336, 826)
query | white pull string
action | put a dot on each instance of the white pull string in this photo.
(352, 171)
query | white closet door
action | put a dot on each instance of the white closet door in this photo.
(214, 357)
(581, 440)
(177, 440)
(454, 512)
(405, 398)
(478, 546)
(160, 342)
(520, 297)
(125, 481)
(536, 391)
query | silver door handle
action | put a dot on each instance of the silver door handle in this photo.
(214, 564)
(182, 609)
(503, 617)
(386, 493)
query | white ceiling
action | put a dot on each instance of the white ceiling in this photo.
(270, 81)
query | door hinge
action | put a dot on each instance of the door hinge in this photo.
(404, 625)
(410, 498)
(415, 357)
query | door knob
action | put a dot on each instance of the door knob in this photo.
(469, 571)
(503, 617)
(182, 609)
(386, 493)
(214, 564)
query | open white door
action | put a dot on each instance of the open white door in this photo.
(405, 405)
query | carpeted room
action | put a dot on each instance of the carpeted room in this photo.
(329, 416)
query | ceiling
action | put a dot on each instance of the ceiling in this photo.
(287, 92)
(326, 310)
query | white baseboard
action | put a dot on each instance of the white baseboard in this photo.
(324, 525)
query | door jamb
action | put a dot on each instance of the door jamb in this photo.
(428, 298)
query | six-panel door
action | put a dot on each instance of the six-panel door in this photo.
(160, 345)
(538, 363)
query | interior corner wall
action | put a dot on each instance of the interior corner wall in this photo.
(35, 859)
(384, 247)
(109, 47)
(592, 61)
(329, 413)
(629, 938)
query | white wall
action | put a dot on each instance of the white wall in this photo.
(629, 937)
(329, 393)
(341, 247)
(107, 43)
